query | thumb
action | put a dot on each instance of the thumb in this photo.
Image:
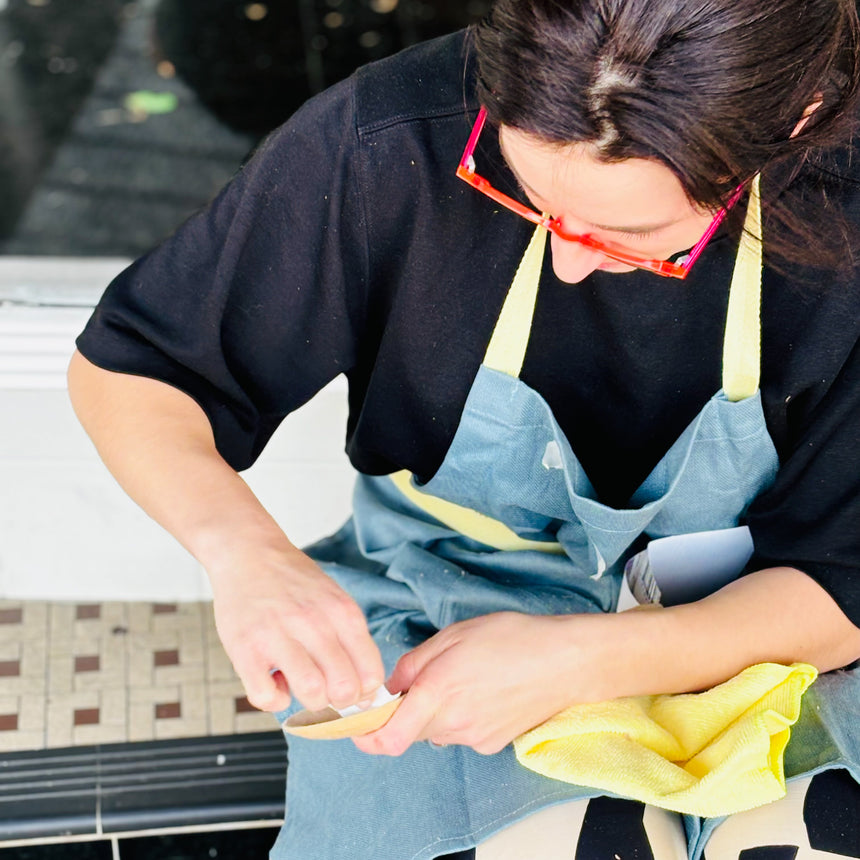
(413, 662)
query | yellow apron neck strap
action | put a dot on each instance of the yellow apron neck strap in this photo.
(507, 348)
(742, 343)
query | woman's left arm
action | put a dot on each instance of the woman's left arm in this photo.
(484, 681)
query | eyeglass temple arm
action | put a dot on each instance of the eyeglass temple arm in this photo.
(466, 173)
(466, 161)
(696, 250)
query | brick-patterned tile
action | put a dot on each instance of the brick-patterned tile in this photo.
(61, 713)
(14, 615)
(168, 710)
(88, 611)
(164, 608)
(86, 716)
(243, 706)
(165, 658)
(8, 722)
(85, 673)
(88, 663)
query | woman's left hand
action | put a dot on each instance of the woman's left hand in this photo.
(483, 682)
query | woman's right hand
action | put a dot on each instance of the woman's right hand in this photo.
(290, 630)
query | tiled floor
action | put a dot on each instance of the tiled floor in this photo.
(77, 674)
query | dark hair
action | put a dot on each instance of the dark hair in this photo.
(711, 88)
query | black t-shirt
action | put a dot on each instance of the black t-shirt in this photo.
(348, 245)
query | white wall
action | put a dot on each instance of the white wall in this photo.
(67, 530)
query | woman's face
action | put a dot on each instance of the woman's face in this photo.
(637, 204)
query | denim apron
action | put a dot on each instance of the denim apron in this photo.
(509, 522)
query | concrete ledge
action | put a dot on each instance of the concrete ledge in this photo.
(57, 281)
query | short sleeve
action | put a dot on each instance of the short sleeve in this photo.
(256, 302)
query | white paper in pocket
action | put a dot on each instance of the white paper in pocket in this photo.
(684, 568)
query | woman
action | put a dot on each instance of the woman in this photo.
(348, 245)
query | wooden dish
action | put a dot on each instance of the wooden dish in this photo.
(328, 725)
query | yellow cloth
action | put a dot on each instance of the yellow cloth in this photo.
(710, 754)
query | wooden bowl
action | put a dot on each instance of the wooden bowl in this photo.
(329, 725)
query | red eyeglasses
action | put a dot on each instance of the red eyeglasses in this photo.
(666, 268)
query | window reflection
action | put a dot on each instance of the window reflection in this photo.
(118, 119)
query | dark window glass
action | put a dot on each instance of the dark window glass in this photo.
(122, 118)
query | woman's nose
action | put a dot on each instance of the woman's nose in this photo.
(573, 262)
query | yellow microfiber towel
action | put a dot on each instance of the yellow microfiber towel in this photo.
(709, 754)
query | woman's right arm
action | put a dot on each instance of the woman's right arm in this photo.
(274, 607)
